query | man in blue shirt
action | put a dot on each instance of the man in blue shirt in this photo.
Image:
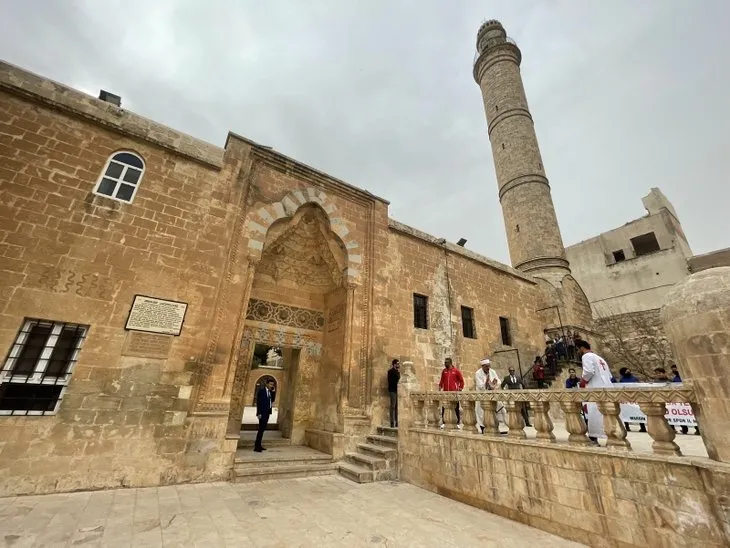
(627, 375)
(572, 380)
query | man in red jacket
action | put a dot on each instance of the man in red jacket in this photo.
(451, 381)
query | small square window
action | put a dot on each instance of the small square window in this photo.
(38, 367)
(619, 256)
(645, 244)
(467, 323)
(420, 311)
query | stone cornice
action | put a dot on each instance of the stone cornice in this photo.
(290, 166)
(29, 86)
(457, 250)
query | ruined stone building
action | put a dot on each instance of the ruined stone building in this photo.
(627, 273)
(151, 280)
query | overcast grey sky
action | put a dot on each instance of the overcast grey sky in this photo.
(626, 95)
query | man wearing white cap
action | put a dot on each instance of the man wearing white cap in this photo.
(485, 379)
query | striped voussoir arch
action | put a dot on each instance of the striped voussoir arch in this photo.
(262, 218)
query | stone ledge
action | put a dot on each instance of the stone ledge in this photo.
(31, 86)
(457, 250)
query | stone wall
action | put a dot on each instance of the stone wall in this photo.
(74, 256)
(451, 278)
(637, 341)
(588, 495)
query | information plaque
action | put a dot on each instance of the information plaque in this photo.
(156, 315)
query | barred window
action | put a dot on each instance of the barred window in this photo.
(121, 177)
(420, 311)
(38, 367)
(467, 323)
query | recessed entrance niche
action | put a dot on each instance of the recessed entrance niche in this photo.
(296, 315)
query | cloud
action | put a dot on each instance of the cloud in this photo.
(625, 95)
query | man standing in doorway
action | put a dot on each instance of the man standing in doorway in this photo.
(451, 381)
(393, 378)
(596, 374)
(263, 412)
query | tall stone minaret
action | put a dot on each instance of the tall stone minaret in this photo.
(533, 234)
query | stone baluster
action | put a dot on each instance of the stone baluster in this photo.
(449, 418)
(419, 412)
(491, 424)
(574, 422)
(515, 422)
(543, 422)
(614, 426)
(659, 429)
(468, 415)
(433, 413)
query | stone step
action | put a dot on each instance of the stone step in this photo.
(386, 441)
(389, 453)
(272, 460)
(273, 442)
(367, 461)
(358, 474)
(388, 431)
(259, 473)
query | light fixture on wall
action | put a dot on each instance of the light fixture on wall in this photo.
(461, 242)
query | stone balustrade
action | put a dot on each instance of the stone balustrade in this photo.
(652, 401)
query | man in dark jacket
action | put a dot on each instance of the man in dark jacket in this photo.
(264, 406)
(393, 378)
(513, 382)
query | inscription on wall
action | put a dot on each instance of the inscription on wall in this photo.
(282, 314)
(147, 345)
(156, 315)
(83, 284)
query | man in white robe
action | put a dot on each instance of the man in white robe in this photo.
(596, 374)
(485, 378)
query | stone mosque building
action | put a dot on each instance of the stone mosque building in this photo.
(151, 280)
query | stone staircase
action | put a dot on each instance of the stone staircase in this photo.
(281, 462)
(375, 460)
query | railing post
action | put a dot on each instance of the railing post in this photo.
(491, 424)
(659, 430)
(515, 422)
(543, 422)
(468, 415)
(419, 415)
(613, 425)
(449, 411)
(574, 422)
(433, 412)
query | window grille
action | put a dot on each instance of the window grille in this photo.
(38, 367)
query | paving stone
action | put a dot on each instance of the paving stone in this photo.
(322, 511)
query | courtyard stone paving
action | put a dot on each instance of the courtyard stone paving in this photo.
(325, 511)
